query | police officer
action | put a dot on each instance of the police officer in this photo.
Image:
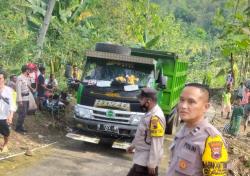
(149, 137)
(23, 91)
(198, 148)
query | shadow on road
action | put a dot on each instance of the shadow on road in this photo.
(103, 148)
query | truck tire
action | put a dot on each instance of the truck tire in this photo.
(111, 48)
(171, 126)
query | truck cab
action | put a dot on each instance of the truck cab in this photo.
(107, 103)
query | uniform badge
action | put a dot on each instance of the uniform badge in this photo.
(154, 123)
(156, 128)
(182, 164)
(215, 149)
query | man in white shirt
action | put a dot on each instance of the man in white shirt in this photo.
(7, 109)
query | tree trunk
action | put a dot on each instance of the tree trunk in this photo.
(232, 67)
(247, 63)
(242, 68)
(44, 28)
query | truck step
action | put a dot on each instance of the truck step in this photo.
(120, 145)
(81, 137)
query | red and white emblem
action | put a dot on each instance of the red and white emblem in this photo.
(216, 149)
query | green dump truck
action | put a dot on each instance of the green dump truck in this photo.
(107, 104)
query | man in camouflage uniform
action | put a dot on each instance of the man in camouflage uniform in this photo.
(198, 148)
(149, 137)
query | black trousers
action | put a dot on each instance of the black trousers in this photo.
(4, 128)
(138, 170)
(22, 112)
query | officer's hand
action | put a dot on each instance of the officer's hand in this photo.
(9, 120)
(130, 149)
(151, 171)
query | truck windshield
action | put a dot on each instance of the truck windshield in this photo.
(118, 72)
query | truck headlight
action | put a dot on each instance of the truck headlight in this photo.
(76, 110)
(82, 112)
(135, 119)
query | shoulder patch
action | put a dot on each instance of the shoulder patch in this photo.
(215, 157)
(215, 150)
(156, 128)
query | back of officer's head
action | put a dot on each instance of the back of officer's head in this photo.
(203, 88)
(148, 93)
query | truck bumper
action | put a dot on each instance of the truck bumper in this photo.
(115, 144)
(104, 129)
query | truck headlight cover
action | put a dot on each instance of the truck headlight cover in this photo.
(135, 119)
(82, 112)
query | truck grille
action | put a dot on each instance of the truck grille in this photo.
(118, 117)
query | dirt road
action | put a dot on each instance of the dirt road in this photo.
(76, 158)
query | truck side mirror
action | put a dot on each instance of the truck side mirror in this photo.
(162, 82)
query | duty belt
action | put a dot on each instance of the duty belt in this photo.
(25, 94)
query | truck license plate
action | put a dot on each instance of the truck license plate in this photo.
(109, 128)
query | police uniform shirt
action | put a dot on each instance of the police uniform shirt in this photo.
(22, 88)
(198, 151)
(149, 137)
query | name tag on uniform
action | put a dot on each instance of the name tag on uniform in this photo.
(190, 147)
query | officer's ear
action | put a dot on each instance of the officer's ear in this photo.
(207, 105)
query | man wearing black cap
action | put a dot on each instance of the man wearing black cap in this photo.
(149, 137)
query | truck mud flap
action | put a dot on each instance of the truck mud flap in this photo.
(120, 145)
(81, 137)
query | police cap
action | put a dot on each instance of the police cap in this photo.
(148, 93)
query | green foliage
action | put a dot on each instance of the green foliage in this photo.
(184, 14)
(16, 41)
(152, 42)
(204, 32)
(207, 80)
(234, 40)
